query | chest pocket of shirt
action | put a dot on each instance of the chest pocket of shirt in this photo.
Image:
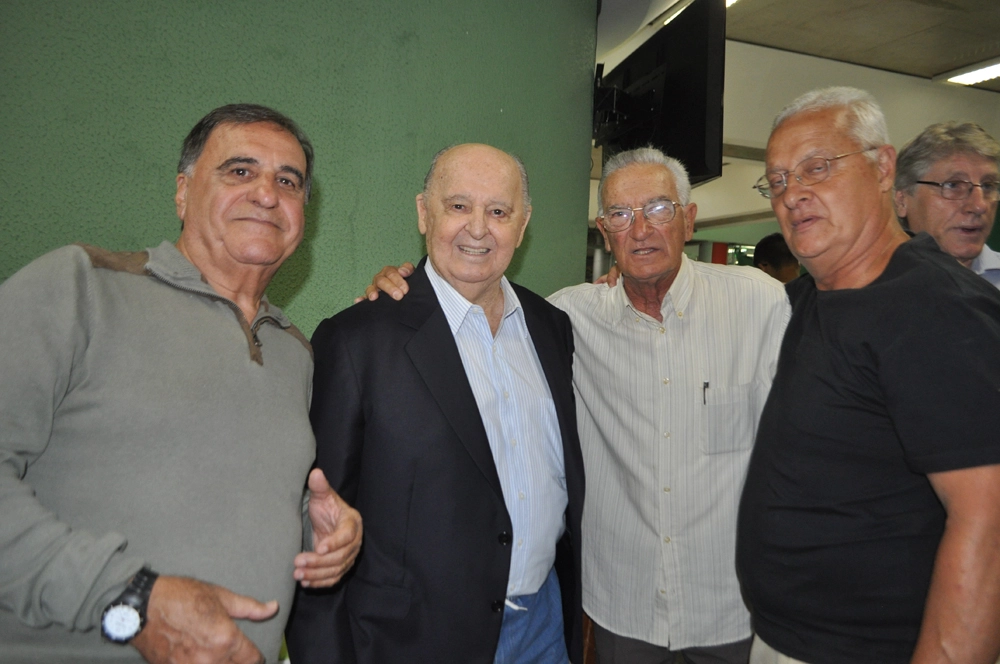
(727, 419)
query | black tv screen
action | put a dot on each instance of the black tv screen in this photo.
(668, 93)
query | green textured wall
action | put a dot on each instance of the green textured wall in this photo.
(98, 95)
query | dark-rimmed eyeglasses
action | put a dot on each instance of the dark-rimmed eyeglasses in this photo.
(808, 172)
(959, 190)
(617, 219)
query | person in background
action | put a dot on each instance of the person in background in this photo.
(947, 184)
(448, 420)
(672, 368)
(155, 436)
(869, 527)
(773, 257)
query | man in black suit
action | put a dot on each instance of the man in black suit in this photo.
(448, 420)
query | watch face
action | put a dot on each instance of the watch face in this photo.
(121, 622)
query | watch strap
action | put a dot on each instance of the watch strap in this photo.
(135, 595)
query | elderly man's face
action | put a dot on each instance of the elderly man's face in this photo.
(828, 225)
(647, 253)
(473, 217)
(244, 200)
(960, 227)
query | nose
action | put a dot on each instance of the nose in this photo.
(264, 192)
(640, 225)
(795, 192)
(478, 225)
(976, 201)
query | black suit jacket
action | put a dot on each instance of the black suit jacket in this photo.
(398, 434)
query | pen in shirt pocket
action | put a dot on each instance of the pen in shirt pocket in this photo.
(704, 393)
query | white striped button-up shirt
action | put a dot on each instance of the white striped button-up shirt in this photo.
(667, 415)
(521, 424)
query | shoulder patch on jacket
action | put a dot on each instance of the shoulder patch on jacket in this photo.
(133, 262)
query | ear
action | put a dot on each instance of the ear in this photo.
(899, 200)
(690, 212)
(886, 167)
(604, 233)
(180, 198)
(527, 218)
(421, 214)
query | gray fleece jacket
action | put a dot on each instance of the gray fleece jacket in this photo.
(143, 420)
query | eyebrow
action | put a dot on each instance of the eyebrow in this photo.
(232, 161)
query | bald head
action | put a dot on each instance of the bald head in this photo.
(473, 211)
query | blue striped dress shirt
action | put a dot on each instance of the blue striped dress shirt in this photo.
(520, 420)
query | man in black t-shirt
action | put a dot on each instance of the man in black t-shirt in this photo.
(869, 528)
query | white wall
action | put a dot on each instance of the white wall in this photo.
(761, 81)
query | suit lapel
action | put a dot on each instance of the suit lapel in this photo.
(435, 356)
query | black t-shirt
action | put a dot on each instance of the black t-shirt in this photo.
(876, 387)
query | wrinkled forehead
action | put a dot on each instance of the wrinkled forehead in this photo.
(638, 184)
(809, 134)
(964, 164)
(477, 173)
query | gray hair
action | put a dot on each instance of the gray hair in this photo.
(242, 114)
(517, 160)
(937, 142)
(647, 155)
(865, 119)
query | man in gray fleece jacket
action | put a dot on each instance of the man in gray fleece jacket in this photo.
(154, 426)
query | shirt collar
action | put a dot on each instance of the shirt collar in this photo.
(986, 260)
(171, 266)
(674, 302)
(456, 308)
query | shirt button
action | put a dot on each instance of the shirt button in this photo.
(637, 319)
(662, 330)
(666, 489)
(497, 605)
(513, 443)
(505, 538)
(506, 394)
(520, 543)
(666, 434)
(680, 314)
(666, 381)
(662, 591)
(666, 539)
(520, 494)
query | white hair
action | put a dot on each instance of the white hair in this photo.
(647, 155)
(865, 119)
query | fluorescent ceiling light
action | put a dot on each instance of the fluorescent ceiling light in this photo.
(730, 3)
(977, 73)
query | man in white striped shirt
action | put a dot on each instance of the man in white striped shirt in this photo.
(672, 366)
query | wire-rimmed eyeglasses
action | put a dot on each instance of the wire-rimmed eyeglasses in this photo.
(657, 212)
(808, 172)
(959, 190)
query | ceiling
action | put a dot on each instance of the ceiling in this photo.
(917, 37)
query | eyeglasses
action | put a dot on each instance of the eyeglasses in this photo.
(808, 172)
(658, 212)
(958, 190)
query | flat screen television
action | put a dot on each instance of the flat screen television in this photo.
(668, 93)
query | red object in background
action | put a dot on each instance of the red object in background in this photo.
(720, 252)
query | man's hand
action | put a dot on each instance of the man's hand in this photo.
(611, 278)
(336, 534)
(191, 621)
(390, 280)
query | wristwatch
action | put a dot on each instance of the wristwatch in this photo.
(125, 616)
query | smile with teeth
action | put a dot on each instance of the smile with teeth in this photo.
(474, 251)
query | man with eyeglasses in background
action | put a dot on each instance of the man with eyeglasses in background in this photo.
(671, 369)
(869, 528)
(946, 184)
